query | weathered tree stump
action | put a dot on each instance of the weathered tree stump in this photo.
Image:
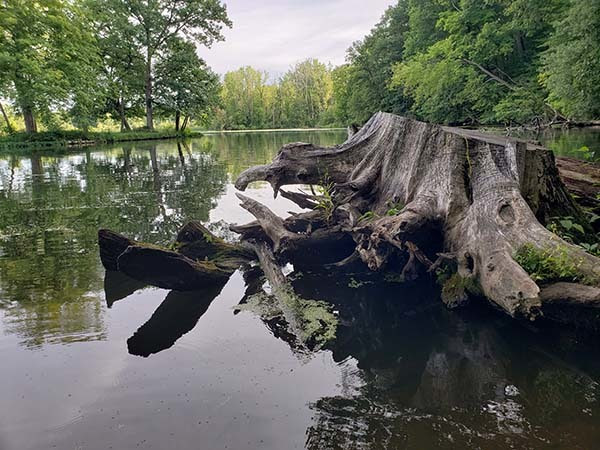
(405, 199)
(405, 191)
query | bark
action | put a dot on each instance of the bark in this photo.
(198, 259)
(406, 190)
(582, 179)
(177, 119)
(186, 120)
(29, 118)
(148, 91)
(8, 124)
(124, 123)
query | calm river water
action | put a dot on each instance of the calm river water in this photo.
(93, 361)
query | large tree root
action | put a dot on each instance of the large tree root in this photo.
(404, 191)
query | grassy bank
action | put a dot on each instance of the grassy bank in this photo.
(76, 138)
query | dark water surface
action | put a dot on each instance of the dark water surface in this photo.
(94, 361)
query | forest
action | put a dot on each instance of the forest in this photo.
(97, 64)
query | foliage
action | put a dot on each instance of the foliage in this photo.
(361, 87)
(456, 289)
(155, 25)
(47, 56)
(301, 98)
(185, 85)
(63, 138)
(572, 61)
(549, 264)
(325, 200)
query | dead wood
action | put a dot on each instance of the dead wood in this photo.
(405, 191)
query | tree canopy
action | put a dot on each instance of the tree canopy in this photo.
(445, 61)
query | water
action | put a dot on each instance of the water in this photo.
(403, 372)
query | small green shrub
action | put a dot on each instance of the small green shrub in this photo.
(325, 201)
(368, 216)
(395, 208)
(550, 264)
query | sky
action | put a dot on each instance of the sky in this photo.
(273, 35)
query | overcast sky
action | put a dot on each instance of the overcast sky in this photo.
(272, 35)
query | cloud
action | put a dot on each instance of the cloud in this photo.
(273, 35)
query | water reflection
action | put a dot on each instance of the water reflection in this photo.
(402, 372)
(473, 377)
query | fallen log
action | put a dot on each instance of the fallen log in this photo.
(196, 260)
(404, 191)
(582, 179)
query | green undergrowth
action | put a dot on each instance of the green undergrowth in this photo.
(75, 138)
(456, 289)
(550, 264)
(568, 229)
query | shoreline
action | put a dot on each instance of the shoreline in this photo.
(270, 130)
(94, 139)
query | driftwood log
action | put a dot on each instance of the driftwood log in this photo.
(402, 198)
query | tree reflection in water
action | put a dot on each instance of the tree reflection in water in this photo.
(473, 376)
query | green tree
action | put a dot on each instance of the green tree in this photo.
(47, 56)
(243, 96)
(185, 85)
(363, 87)
(308, 90)
(572, 61)
(119, 86)
(483, 64)
(155, 23)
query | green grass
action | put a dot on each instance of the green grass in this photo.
(76, 138)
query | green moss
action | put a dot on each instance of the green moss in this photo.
(456, 289)
(549, 264)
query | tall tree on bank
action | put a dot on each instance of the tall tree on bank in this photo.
(158, 22)
(572, 61)
(47, 55)
(185, 85)
(120, 88)
(363, 85)
(243, 98)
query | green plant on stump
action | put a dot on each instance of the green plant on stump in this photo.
(549, 264)
(456, 290)
(325, 201)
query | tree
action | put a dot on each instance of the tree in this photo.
(155, 23)
(572, 61)
(47, 55)
(243, 96)
(481, 62)
(185, 85)
(119, 86)
(309, 91)
(370, 63)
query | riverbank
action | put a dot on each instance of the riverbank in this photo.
(270, 130)
(75, 138)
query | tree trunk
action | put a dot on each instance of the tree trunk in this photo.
(9, 127)
(148, 93)
(177, 119)
(409, 193)
(186, 121)
(29, 118)
(124, 123)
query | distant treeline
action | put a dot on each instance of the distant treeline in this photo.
(76, 62)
